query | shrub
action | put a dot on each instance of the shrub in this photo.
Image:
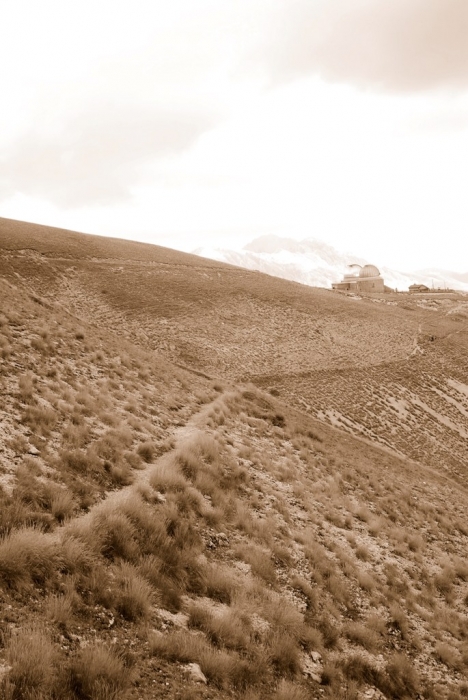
(27, 556)
(289, 691)
(366, 581)
(362, 635)
(402, 679)
(399, 620)
(79, 462)
(116, 536)
(219, 583)
(120, 474)
(449, 655)
(223, 629)
(76, 557)
(308, 592)
(147, 451)
(41, 419)
(285, 655)
(167, 477)
(62, 504)
(178, 646)
(33, 660)
(59, 609)
(260, 561)
(358, 668)
(25, 388)
(169, 588)
(363, 553)
(97, 673)
(133, 596)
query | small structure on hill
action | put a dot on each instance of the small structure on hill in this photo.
(414, 288)
(361, 279)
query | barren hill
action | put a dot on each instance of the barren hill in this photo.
(380, 367)
(211, 471)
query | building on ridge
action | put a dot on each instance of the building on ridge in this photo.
(415, 288)
(361, 279)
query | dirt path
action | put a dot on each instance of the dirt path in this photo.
(180, 434)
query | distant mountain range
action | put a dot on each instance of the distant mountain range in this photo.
(318, 264)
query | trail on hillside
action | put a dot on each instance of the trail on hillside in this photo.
(141, 477)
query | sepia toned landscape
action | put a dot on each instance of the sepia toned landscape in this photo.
(220, 484)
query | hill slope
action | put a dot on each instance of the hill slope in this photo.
(384, 368)
(303, 544)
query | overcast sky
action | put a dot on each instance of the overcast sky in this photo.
(210, 122)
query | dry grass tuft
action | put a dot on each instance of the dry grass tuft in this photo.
(289, 691)
(32, 658)
(167, 477)
(98, 673)
(132, 594)
(28, 556)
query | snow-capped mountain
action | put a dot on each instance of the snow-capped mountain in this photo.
(318, 264)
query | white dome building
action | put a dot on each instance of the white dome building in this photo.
(362, 279)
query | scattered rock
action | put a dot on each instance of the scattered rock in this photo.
(33, 451)
(260, 627)
(179, 620)
(217, 539)
(195, 673)
(312, 669)
(373, 694)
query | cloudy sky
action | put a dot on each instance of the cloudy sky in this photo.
(210, 122)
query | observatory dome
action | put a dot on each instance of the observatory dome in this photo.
(369, 271)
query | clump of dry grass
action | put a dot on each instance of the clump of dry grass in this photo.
(362, 635)
(178, 646)
(260, 561)
(32, 658)
(288, 690)
(147, 451)
(41, 419)
(98, 672)
(219, 583)
(167, 477)
(28, 556)
(226, 628)
(132, 594)
(221, 668)
(284, 654)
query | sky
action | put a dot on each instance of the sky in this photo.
(208, 123)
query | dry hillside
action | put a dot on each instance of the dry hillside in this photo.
(219, 484)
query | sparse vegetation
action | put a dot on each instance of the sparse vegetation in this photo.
(152, 517)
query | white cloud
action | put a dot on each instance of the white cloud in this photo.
(402, 45)
(151, 119)
(97, 156)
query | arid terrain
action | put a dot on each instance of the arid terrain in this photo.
(220, 484)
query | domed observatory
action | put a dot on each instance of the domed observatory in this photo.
(361, 279)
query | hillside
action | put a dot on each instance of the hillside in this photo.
(220, 484)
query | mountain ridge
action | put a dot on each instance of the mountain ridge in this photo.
(317, 263)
